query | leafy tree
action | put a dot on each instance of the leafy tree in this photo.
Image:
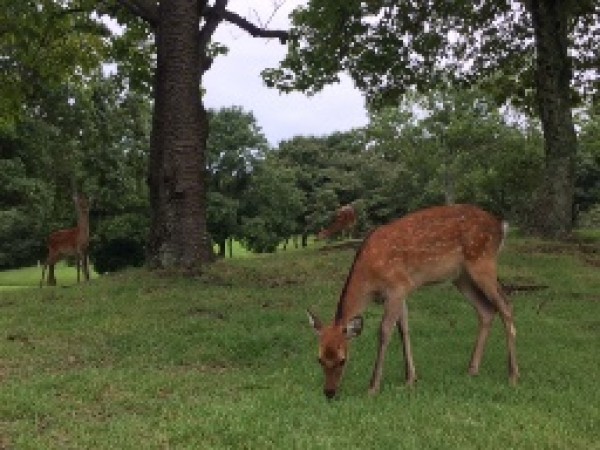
(307, 156)
(270, 207)
(164, 47)
(234, 146)
(452, 146)
(182, 31)
(514, 47)
(223, 220)
(44, 45)
(21, 200)
(326, 173)
(89, 138)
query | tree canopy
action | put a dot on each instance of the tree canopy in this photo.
(390, 47)
(540, 54)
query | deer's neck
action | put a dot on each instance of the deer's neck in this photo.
(83, 225)
(358, 289)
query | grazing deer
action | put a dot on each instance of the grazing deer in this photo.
(71, 241)
(457, 242)
(344, 220)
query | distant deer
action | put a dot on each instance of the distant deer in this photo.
(457, 242)
(344, 221)
(70, 242)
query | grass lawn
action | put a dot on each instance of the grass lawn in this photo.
(66, 276)
(227, 360)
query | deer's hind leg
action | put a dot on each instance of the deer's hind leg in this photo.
(485, 315)
(409, 365)
(483, 273)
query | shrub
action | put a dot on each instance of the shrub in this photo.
(119, 242)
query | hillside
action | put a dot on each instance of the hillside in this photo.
(228, 360)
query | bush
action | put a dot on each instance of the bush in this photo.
(257, 237)
(119, 243)
(116, 254)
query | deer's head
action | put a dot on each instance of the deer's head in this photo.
(333, 349)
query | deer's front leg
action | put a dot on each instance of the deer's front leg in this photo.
(393, 311)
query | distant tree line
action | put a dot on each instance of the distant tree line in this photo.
(445, 147)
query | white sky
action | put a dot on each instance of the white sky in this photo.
(234, 80)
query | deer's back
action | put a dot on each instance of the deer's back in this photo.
(431, 244)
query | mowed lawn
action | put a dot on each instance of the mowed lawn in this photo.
(227, 360)
(66, 275)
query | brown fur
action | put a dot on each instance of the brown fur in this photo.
(457, 242)
(344, 221)
(70, 242)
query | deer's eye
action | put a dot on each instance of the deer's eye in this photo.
(320, 361)
(342, 362)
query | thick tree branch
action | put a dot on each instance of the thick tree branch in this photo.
(246, 25)
(212, 16)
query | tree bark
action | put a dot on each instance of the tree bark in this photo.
(554, 73)
(178, 238)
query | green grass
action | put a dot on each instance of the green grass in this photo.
(228, 360)
(14, 279)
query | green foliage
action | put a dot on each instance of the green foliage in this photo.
(326, 172)
(21, 205)
(119, 242)
(235, 148)
(389, 47)
(93, 139)
(228, 360)
(270, 207)
(44, 46)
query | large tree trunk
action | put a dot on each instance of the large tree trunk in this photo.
(554, 73)
(178, 238)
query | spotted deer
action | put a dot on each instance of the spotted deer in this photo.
(344, 220)
(70, 242)
(456, 242)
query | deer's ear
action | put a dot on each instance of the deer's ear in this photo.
(354, 327)
(315, 322)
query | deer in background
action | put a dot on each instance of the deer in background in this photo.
(70, 242)
(457, 242)
(344, 220)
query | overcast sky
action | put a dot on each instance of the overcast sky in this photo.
(234, 80)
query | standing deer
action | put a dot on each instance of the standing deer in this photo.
(344, 220)
(70, 241)
(457, 242)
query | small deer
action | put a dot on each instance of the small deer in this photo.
(457, 242)
(344, 220)
(70, 242)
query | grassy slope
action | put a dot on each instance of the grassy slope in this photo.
(227, 360)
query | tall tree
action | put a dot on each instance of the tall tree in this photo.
(183, 30)
(547, 47)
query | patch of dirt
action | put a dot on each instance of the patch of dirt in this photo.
(206, 312)
(595, 262)
(5, 443)
(19, 337)
(511, 289)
